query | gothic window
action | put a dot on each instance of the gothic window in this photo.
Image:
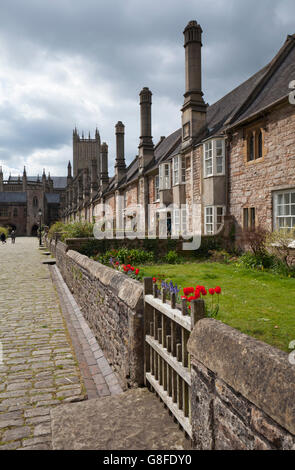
(255, 142)
(260, 144)
(35, 202)
(251, 155)
(249, 218)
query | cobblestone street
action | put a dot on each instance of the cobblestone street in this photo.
(39, 369)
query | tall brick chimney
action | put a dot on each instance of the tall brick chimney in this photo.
(146, 146)
(120, 166)
(104, 172)
(194, 107)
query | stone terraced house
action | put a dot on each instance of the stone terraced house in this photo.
(235, 159)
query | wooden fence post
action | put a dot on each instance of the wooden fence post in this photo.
(197, 311)
(148, 318)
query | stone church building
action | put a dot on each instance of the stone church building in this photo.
(21, 198)
(235, 159)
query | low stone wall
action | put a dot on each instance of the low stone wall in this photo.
(112, 304)
(243, 391)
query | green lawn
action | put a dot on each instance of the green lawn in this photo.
(257, 303)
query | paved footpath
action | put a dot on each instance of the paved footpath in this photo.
(39, 369)
(51, 358)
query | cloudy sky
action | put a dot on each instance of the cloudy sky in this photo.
(72, 62)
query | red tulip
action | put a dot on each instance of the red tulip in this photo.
(211, 291)
(154, 279)
(188, 290)
(197, 294)
(218, 290)
(132, 268)
(136, 271)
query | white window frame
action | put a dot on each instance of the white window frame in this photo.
(164, 176)
(175, 170)
(210, 151)
(286, 209)
(214, 220)
(178, 170)
(176, 221)
(157, 188)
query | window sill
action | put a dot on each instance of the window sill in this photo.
(214, 175)
(253, 162)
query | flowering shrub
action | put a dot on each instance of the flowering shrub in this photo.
(199, 292)
(126, 256)
(132, 272)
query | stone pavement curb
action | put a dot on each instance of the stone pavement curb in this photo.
(99, 378)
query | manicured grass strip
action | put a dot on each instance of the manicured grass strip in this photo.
(259, 304)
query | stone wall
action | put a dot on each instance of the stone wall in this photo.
(251, 184)
(243, 391)
(112, 304)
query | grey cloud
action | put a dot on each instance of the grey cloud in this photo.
(128, 44)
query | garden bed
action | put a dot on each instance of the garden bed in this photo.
(259, 304)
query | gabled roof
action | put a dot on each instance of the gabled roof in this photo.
(275, 85)
(261, 90)
(7, 197)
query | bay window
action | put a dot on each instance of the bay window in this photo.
(214, 157)
(178, 171)
(164, 176)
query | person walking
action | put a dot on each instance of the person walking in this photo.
(12, 236)
(3, 238)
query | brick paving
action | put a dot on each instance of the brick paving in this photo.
(38, 328)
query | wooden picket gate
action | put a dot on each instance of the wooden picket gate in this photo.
(167, 362)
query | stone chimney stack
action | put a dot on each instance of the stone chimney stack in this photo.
(69, 177)
(194, 107)
(120, 166)
(146, 146)
(24, 179)
(1, 179)
(104, 172)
